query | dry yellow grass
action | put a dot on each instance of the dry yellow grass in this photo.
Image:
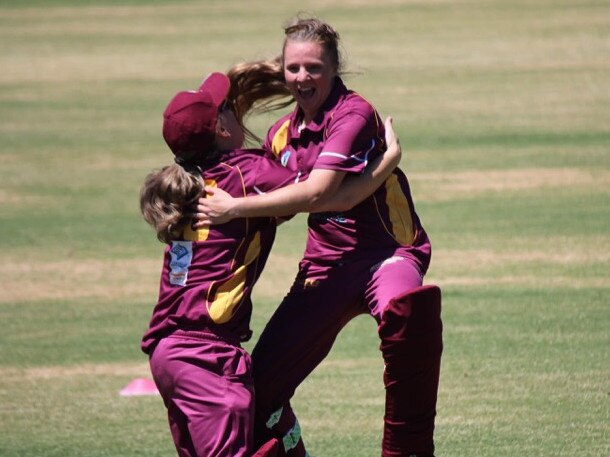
(12, 374)
(565, 281)
(12, 198)
(33, 279)
(562, 255)
(138, 278)
(447, 186)
(25, 280)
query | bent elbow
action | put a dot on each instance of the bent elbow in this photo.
(338, 203)
(314, 202)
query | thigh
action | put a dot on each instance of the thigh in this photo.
(207, 389)
(390, 278)
(303, 329)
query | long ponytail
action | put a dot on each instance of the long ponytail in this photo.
(257, 87)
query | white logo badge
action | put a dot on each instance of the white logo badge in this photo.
(181, 257)
(284, 158)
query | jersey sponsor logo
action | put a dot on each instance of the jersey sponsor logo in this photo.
(329, 216)
(284, 158)
(181, 256)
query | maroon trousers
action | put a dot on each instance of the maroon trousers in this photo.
(206, 385)
(303, 329)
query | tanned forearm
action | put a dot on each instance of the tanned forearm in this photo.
(306, 196)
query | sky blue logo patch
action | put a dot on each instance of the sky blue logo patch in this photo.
(284, 158)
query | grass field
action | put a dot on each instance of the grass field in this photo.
(503, 108)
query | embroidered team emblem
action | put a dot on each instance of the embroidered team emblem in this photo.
(284, 158)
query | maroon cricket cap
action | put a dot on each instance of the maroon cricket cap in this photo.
(189, 121)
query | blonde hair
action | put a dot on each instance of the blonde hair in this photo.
(166, 199)
(304, 28)
(259, 86)
(167, 195)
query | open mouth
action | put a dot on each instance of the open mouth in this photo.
(307, 93)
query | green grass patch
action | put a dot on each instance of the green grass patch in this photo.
(502, 109)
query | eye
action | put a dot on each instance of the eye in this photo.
(315, 69)
(292, 68)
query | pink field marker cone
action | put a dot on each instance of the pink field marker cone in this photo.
(138, 387)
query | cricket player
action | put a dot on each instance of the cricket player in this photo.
(203, 311)
(366, 259)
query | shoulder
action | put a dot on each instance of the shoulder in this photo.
(236, 161)
(353, 113)
(282, 122)
(239, 156)
(346, 102)
(353, 104)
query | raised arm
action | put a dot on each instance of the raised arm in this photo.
(354, 189)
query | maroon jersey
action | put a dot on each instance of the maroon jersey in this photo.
(207, 278)
(346, 133)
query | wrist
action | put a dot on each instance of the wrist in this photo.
(236, 208)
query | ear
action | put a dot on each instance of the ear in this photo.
(221, 130)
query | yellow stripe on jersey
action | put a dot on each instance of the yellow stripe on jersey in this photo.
(280, 139)
(202, 233)
(229, 295)
(254, 249)
(399, 212)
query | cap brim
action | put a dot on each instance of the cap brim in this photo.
(217, 85)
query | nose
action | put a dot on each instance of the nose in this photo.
(303, 75)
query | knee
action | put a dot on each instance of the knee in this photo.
(412, 323)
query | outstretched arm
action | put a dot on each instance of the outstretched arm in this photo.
(354, 189)
(322, 191)
(303, 197)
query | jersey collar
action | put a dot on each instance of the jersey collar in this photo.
(318, 123)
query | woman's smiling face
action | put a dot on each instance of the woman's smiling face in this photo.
(309, 74)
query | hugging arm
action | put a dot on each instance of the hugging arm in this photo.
(354, 189)
(324, 190)
(305, 196)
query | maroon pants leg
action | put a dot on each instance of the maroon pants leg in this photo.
(297, 338)
(206, 385)
(411, 344)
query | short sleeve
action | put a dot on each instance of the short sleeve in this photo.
(268, 175)
(352, 139)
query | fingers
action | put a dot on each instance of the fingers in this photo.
(200, 214)
(389, 128)
(202, 223)
(389, 124)
(390, 133)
